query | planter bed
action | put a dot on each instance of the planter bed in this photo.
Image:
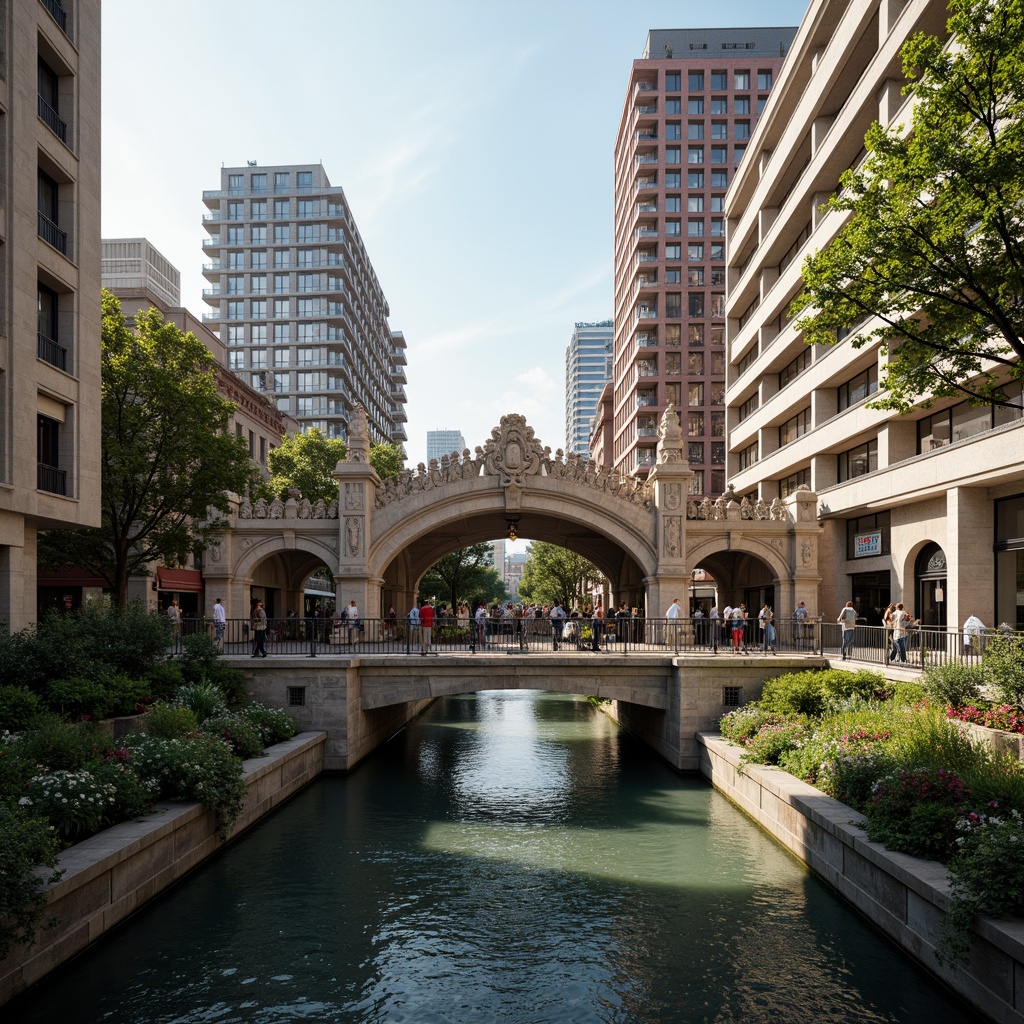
(110, 875)
(904, 896)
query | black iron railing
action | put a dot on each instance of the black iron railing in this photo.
(52, 235)
(48, 350)
(51, 479)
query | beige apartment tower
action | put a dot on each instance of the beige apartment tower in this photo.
(296, 301)
(49, 284)
(926, 508)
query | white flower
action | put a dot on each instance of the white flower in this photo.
(25, 801)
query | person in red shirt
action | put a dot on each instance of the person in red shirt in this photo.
(426, 626)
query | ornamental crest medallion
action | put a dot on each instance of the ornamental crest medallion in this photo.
(512, 452)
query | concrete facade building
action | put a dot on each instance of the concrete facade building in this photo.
(692, 103)
(50, 399)
(444, 442)
(926, 508)
(297, 303)
(133, 264)
(588, 368)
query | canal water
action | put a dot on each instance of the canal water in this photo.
(510, 857)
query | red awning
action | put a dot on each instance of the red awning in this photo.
(69, 576)
(183, 580)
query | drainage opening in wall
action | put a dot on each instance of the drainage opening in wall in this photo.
(296, 696)
(731, 696)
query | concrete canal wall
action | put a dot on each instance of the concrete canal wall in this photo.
(904, 896)
(111, 875)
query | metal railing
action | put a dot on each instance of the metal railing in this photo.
(58, 14)
(51, 479)
(53, 120)
(49, 351)
(52, 234)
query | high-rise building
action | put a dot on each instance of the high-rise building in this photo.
(925, 508)
(444, 442)
(693, 100)
(296, 301)
(50, 398)
(588, 368)
(132, 264)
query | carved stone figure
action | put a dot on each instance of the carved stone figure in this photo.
(353, 532)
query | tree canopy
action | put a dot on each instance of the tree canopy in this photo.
(933, 244)
(554, 573)
(466, 576)
(307, 461)
(167, 455)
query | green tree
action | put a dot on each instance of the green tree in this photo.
(307, 461)
(554, 573)
(467, 575)
(167, 455)
(933, 244)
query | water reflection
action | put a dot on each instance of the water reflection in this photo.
(511, 857)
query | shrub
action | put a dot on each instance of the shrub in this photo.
(204, 700)
(231, 682)
(915, 811)
(133, 796)
(776, 736)
(1003, 665)
(198, 655)
(25, 842)
(19, 707)
(56, 745)
(1004, 717)
(851, 776)
(741, 725)
(244, 738)
(74, 803)
(78, 697)
(169, 721)
(275, 725)
(164, 680)
(124, 694)
(808, 693)
(954, 684)
(192, 768)
(985, 877)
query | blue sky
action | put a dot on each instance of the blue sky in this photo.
(474, 142)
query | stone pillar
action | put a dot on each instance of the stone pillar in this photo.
(805, 577)
(669, 479)
(357, 481)
(970, 534)
(17, 571)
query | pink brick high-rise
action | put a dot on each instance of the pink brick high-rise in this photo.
(692, 103)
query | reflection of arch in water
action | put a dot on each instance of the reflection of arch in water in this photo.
(618, 542)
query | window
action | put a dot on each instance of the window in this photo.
(282, 356)
(878, 523)
(259, 235)
(718, 204)
(258, 334)
(717, 277)
(281, 209)
(673, 364)
(673, 204)
(694, 105)
(764, 79)
(695, 81)
(717, 310)
(857, 388)
(236, 260)
(742, 105)
(281, 381)
(236, 335)
(673, 179)
(673, 335)
(717, 227)
(236, 361)
(717, 251)
(719, 81)
(673, 81)
(673, 106)
(236, 310)
(307, 308)
(719, 179)
(307, 282)
(749, 406)
(795, 368)
(258, 284)
(718, 424)
(258, 309)
(259, 259)
(748, 456)
(719, 105)
(738, 152)
(695, 424)
(673, 131)
(258, 359)
(257, 209)
(674, 276)
(694, 179)
(695, 130)
(236, 236)
(741, 81)
(304, 179)
(695, 204)
(861, 459)
(282, 333)
(673, 252)
(671, 394)
(235, 284)
(308, 208)
(695, 452)
(742, 130)
(673, 228)
(236, 210)
(695, 251)
(235, 183)
(695, 228)
(695, 364)
(309, 234)
(695, 305)
(719, 130)
(50, 476)
(717, 453)
(695, 154)
(258, 182)
(309, 332)
(796, 426)
(696, 484)
(789, 484)
(281, 180)
(673, 305)
(673, 154)
(281, 259)
(281, 307)
(282, 234)
(719, 154)
(695, 396)
(695, 277)
(761, 101)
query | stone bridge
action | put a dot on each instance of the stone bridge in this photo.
(378, 537)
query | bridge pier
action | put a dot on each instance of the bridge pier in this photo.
(361, 702)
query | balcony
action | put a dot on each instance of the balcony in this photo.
(60, 16)
(644, 87)
(646, 136)
(52, 235)
(645, 400)
(644, 183)
(53, 121)
(51, 479)
(214, 216)
(646, 207)
(646, 339)
(646, 314)
(646, 158)
(646, 233)
(646, 256)
(212, 268)
(647, 108)
(647, 368)
(49, 351)
(336, 212)
(213, 242)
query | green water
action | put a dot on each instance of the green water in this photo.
(511, 857)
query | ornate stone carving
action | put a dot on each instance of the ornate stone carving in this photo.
(358, 436)
(354, 496)
(670, 437)
(354, 535)
(512, 452)
(672, 535)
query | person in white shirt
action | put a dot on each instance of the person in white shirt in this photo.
(558, 617)
(672, 614)
(974, 629)
(480, 618)
(848, 620)
(220, 623)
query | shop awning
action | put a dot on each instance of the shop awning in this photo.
(69, 576)
(182, 580)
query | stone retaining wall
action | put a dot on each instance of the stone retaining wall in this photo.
(111, 875)
(904, 896)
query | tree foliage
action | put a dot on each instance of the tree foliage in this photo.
(167, 455)
(554, 573)
(933, 244)
(307, 462)
(467, 575)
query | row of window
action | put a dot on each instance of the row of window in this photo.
(717, 81)
(694, 179)
(282, 181)
(695, 277)
(304, 309)
(674, 229)
(695, 253)
(235, 284)
(695, 154)
(694, 204)
(695, 306)
(258, 209)
(234, 259)
(305, 234)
